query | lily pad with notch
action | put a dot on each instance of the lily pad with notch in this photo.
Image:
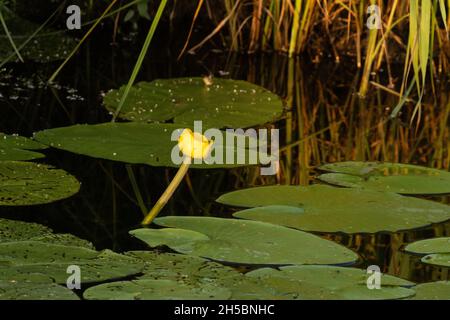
(330, 209)
(141, 143)
(246, 242)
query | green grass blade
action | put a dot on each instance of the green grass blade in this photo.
(425, 35)
(443, 13)
(414, 39)
(141, 57)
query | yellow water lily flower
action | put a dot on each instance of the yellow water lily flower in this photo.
(194, 145)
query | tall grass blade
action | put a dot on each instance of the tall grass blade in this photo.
(141, 57)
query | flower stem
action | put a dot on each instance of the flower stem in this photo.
(167, 194)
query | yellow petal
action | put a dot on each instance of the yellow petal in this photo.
(194, 144)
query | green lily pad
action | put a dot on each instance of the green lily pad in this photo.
(52, 260)
(136, 143)
(329, 209)
(184, 240)
(14, 147)
(155, 290)
(224, 104)
(439, 290)
(12, 231)
(248, 242)
(13, 290)
(48, 45)
(198, 271)
(64, 239)
(437, 259)
(392, 177)
(181, 267)
(428, 246)
(24, 184)
(330, 283)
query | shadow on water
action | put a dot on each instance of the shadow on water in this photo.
(325, 122)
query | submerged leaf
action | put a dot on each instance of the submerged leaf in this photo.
(48, 45)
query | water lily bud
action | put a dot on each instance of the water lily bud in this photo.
(194, 144)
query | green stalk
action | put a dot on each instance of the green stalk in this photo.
(167, 194)
(141, 57)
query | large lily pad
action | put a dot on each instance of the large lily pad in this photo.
(393, 177)
(224, 104)
(248, 242)
(428, 246)
(439, 290)
(52, 260)
(14, 147)
(24, 183)
(136, 143)
(330, 283)
(12, 231)
(329, 209)
(198, 272)
(155, 290)
(14, 290)
(181, 267)
(47, 45)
